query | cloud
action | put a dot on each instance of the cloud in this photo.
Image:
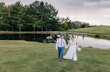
(97, 3)
(96, 0)
(93, 19)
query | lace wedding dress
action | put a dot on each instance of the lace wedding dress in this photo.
(71, 53)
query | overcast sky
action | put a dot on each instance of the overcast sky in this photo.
(96, 12)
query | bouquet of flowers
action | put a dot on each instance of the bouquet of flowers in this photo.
(78, 49)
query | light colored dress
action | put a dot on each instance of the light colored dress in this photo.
(71, 53)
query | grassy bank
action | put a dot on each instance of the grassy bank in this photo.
(99, 29)
(26, 32)
(23, 56)
(102, 31)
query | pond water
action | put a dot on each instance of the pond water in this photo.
(27, 37)
(93, 42)
(81, 40)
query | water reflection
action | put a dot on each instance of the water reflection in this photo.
(81, 40)
(28, 37)
(93, 42)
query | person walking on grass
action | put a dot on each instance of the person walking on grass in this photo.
(72, 51)
(60, 46)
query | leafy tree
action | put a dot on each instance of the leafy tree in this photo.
(39, 16)
(4, 13)
(17, 12)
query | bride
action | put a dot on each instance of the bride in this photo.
(71, 53)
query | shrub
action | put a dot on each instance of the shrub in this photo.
(97, 35)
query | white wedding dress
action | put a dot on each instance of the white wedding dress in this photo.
(71, 53)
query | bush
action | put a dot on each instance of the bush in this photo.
(97, 35)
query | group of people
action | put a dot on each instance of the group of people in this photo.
(72, 48)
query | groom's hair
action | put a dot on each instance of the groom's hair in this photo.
(73, 36)
(61, 35)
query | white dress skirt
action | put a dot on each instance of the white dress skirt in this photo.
(71, 53)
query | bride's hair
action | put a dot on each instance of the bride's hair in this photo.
(72, 36)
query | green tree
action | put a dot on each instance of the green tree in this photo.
(4, 13)
(17, 14)
(42, 14)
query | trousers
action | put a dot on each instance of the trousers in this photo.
(60, 52)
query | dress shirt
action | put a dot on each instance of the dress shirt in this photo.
(60, 43)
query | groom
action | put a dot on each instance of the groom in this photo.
(60, 45)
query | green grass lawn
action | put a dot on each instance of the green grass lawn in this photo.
(23, 56)
(99, 29)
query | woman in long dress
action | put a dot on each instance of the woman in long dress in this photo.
(71, 53)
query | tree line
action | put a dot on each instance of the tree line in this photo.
(37, 16)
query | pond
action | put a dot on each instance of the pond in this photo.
(81, 40)
(93, 42)
(27, 37)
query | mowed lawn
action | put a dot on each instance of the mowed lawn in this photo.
(24, 56)
(104, 30)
